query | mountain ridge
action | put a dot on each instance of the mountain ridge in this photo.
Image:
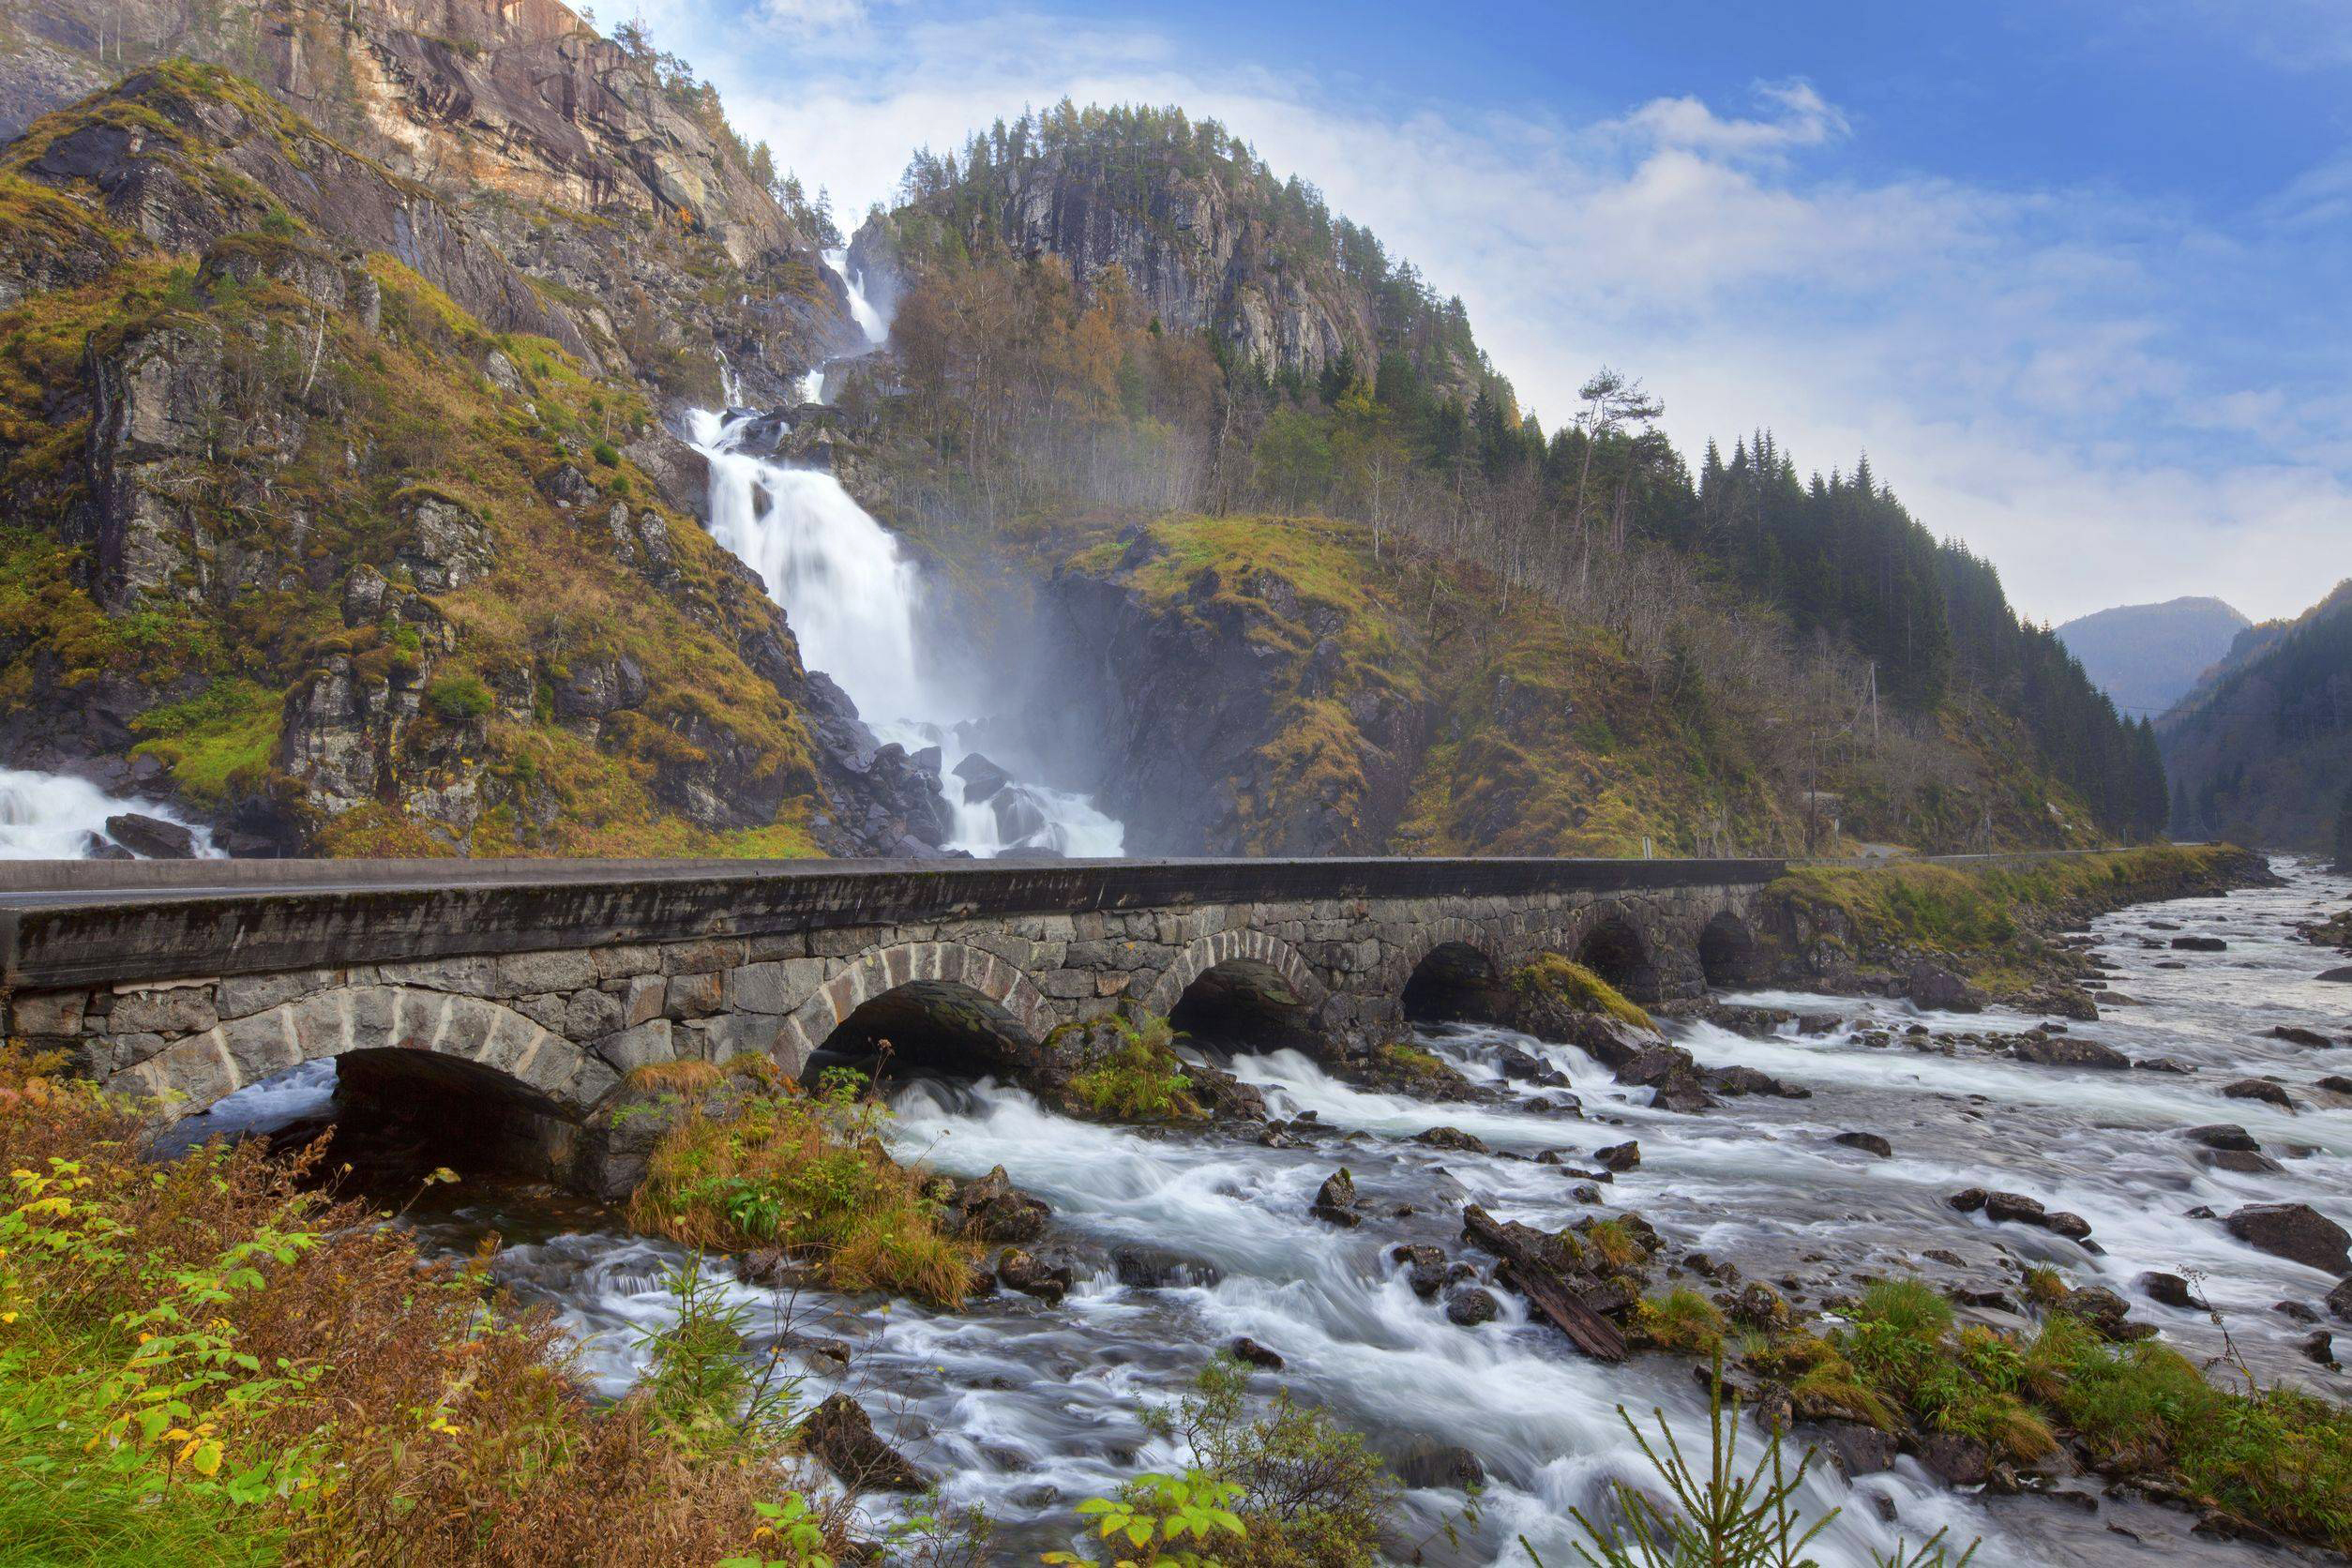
(2148, 657)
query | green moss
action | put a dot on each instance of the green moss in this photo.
(1570, 983)
(218, 742)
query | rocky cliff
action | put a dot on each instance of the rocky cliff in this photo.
(322, 522)
(1206, 237)
(605, 174)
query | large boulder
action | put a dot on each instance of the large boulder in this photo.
(2295, 1231)
(2066, 1050)
(1936, 989)
(993, 1209)
(151, 836)
(839, 1433)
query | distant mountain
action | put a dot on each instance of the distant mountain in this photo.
(2148, 657)
(2261, 751)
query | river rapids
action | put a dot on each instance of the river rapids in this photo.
(1184, 1241)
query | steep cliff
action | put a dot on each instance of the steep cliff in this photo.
(1205, 234)
(602, 172)
(2261, 751)
(318, 521)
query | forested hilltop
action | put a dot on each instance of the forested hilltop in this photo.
(2261, 751)
(1106, 316)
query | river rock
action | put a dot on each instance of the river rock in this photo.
(2164, 1064)
(2295, 1231)
(1619, 1156)
(1439, 1466)
(1518, 1067)
(2223, 1135)
(1454, 1139)
(1938, 989)
(2320, 1348)
(2065, 1050)
(1032, 1276)
(2334, 1083)
(983, 780)
(1469, 1305)
(1858, 1449)
(992, 1209)
(2013, 1207)
(839, 1433)
(2107, 1314)
(2200, 944)
(1955, 1460)
(2341, 975)
(2294, 1034)
(1748, 1080)
(2340, 1299)
(1426, 1268)
(1869, 1144)
(151, 836)
(1152, 1268)
(2241, 1162)
(2167, 1289)
(1248, 1350)
(2258, 1089)
(1336, 1201)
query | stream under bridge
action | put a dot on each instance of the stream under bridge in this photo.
(531, 989)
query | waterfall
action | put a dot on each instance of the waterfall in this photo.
(855, 601)
(49, 816)
(870, 320)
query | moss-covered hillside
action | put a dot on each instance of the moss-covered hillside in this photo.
(1284, 686)
(295, 534)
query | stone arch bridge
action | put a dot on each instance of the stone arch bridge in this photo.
(533, 988)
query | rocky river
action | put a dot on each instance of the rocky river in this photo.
(1182, 1242)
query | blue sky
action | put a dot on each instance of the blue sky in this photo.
(2074, 274)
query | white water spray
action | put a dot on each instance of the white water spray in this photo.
(855, 601)
(48, 815)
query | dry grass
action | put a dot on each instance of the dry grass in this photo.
(202, 1363)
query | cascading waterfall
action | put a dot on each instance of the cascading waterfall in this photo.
(855, 601)
(48, 815)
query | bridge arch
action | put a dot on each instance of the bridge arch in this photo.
(493, 1045)
(942, 1002)
(1265, 962)
(1615, 947)
(1452, 972)
(1729, 952)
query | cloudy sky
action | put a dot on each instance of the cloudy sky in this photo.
(2073, 272)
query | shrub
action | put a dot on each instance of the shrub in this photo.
(805, 1173)
(1152, 1516)
(1143, 1076)
(607, 454)
(1310, 1494)
(458, 699)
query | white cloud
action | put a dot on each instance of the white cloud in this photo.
(2026, 367)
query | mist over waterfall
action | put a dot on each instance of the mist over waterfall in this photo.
(49, 816)
(856, 603)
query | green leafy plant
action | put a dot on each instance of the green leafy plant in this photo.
(1157, 1517)
(791, 1534)
(1141, 1077)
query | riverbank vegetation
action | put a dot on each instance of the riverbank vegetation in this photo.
(1992, 921)
(804, 1173)
(207, 1362)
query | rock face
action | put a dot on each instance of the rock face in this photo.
(1201, 243)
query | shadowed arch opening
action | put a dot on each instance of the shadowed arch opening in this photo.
(1243, 1005)
(1615, 950)
(1727, 952)
(938, 1026)
(392, 1116)
(1454, 982)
